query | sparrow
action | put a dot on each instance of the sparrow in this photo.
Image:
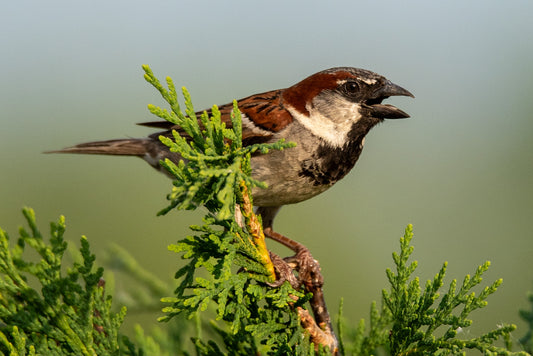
(327, 115)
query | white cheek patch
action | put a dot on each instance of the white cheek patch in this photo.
(334, 132)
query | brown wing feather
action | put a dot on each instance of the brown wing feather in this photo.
(266, 110)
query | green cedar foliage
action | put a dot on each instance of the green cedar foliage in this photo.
(71, 315)
(416, 321)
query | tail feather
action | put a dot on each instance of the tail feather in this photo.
(123, 147)
(151, 151)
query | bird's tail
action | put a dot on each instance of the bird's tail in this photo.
(149, 150)
(122, 147)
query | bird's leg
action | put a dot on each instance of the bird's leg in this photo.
(308, 274)
(308, 268)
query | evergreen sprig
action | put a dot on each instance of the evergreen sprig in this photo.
(416, 321)
(71, 315)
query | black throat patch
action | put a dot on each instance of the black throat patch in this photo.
(330, 164)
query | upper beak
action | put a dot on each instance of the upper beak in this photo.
(391, 89)
(385, 111)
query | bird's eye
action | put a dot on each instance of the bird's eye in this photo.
(351, 87)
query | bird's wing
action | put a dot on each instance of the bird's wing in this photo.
(262, 115)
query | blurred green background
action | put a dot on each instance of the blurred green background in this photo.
(460, 170)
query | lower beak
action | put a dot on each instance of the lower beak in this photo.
(384, 111)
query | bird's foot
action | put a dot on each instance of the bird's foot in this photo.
(309, 272)
(284, 272)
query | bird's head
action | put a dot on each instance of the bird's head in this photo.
(338, 101)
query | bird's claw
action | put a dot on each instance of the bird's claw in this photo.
(303, 262)
(308, 269)
(284, 272)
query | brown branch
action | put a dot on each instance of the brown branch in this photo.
(319, 336)
(313, 283)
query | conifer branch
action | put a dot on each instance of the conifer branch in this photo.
(413, 321)
(71, 314)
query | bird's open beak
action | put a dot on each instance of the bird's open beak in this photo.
(386, 111)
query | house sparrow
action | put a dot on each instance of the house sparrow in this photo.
(327, 115)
